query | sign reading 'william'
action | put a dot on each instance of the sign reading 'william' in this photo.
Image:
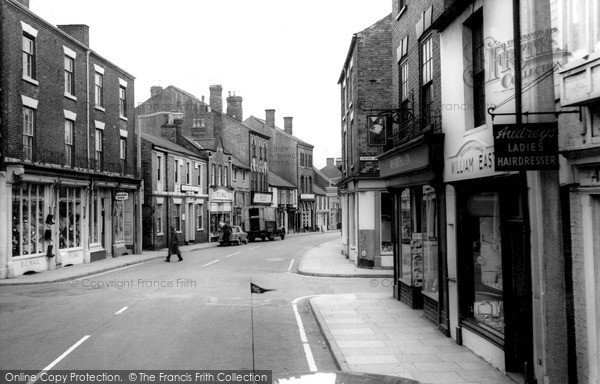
(521, 147)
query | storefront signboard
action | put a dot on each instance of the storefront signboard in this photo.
(473, 160)
(262, 198)
(307, 196)
(521, 147)
(190, 188)
(406, 161)
(221, 194)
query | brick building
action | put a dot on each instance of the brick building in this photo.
(365, 84)
(412, 163)
(70, 175)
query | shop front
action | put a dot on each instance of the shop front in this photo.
(411, 224)
(221, 210)
(306, 213)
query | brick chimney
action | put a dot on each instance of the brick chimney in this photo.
(330, 161)
(79, 32)
(155, 90)
(287, 125)
(216, 97)
(270, 118)
(234, 107)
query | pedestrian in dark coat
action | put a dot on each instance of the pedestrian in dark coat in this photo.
(174, 246)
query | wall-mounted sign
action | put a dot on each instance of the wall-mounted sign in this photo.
(262, 198)
(307, 196)
(120, 196)
(474, 159)
(190, 188)
(589, 176)
(405, 161)
(368, 158)
(221, 194)
(520, 147)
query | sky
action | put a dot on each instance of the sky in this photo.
(277, 54)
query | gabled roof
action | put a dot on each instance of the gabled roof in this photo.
(318, 190)
(331, 172)
(167, 144)
(235, 161)
(279, 130)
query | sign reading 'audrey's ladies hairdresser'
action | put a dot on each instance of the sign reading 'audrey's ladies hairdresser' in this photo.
(520, 147)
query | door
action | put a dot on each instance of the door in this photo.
(190, 237)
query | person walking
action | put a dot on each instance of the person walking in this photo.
(174, 246)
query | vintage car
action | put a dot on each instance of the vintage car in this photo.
(237, 236)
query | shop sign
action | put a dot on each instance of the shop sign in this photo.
(331, 191)
(262, 198)
(473, 160)
(221, 194)
(368, 158)
(409, 160)
(190, 188)
(307, 196)
(120, 196)
(521, 147)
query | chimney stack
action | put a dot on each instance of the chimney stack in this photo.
(338, 163)
(234, 107)
(216, 97)
(155, 90)
(287, 125)
(270, 118)
(79, 32)
(330, 162)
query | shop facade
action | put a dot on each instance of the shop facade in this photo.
(220, 210)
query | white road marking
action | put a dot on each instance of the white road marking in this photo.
(59, 358)
(121, 310)
(253, 248)
(212, 262)
(307, 351)
(233, 254)
(291, 263)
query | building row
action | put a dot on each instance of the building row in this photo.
(470, 157)
(87, 174)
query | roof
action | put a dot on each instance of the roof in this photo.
(318, 190)
(279, 130)
(207, 143)
(277, 181)
(235, 161)
(167, 144)
(331, 172)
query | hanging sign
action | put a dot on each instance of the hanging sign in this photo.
(119, 196)
(520, 147)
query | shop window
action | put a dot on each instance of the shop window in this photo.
(118, 220)
(28, 220)
(482, 236)
(69, 217)
(95, 220)
(199, 217)
(387, 207)
(177, 217)
(159, 219)
(405, 236)
(429, 219)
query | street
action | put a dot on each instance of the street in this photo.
(194, 314)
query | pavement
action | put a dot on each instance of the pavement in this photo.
(375, 333)
(366, 332)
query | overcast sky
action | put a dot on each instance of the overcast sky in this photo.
(277, 54)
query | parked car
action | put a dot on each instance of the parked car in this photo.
(237, 236)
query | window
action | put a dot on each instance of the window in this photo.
(387, 207)
(244, 176)
(28, 132)
(99, 90)
(123, 154)
(177, 217)
(213, 174)
(188, 173)
(118, 220)
(199, 217)
(122, 101)
(226, 177)
(406, 236)
(199, 177)
(403, 69)
(478, 70)
(253, 148)
(28, 211)
(96, 214)
(69, 76)
(158, 168)
(234, 174)
(159, 225)
(29, 57)
(69, 217)
(429, 232)
(220, 176)
(99, 148)
(69, 142)
(176, 172)
(427, 81)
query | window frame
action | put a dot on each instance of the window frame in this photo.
(69, 76)
(99, 90)
(29, 59)
(69, 144)
(28, 132)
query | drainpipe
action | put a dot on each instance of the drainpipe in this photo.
(87, 109)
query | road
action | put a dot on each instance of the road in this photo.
(194, 314)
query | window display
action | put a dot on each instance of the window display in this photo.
(69, 217)
(28, 220)
(118, 220)
(429, 219)
(406, 236)
(484, 235)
